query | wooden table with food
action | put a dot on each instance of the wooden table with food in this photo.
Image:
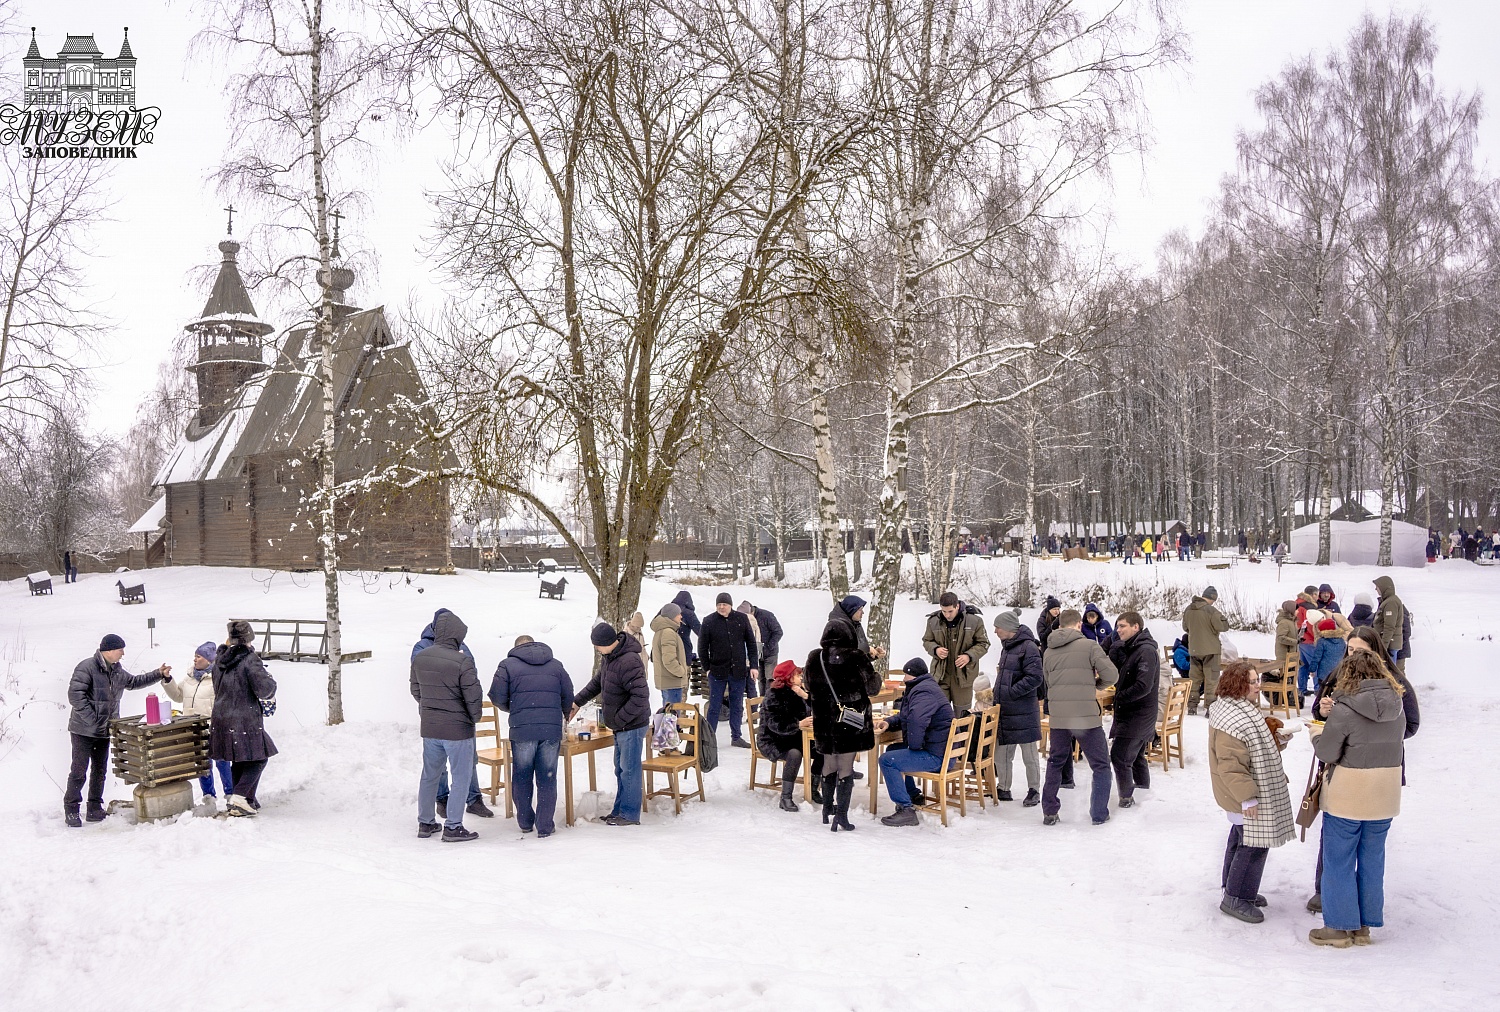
(576, 745)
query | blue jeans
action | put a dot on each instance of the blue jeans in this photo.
(628, 784)
(225, 778)
(474, 793)
(673, 696)
(1060, 751)
(1353, 873)
(896, 763)
(438, 753)
(736, 703)
(535, 761)
(1304, 666)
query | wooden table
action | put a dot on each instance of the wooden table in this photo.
(602, 739)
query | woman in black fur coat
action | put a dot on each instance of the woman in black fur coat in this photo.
(782, 717)
(841, 676)
(237, 734)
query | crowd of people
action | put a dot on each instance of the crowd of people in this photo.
(1362, 705)
(1464, 544)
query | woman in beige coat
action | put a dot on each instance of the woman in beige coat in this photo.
(1244, 762)
(668, 658)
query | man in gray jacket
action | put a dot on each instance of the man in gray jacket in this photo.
(1076, 667)
(445, 685)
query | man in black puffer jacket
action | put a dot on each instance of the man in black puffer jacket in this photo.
(445, 685)
(626, 701)
(94, 694)
(1019, 685)
(924, 716)
(1138, 659)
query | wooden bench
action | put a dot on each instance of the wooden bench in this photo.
(39, 583)
(297, 639)
(553, 590)
(131, 595)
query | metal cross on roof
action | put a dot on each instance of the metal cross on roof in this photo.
(230, 230)
(337, 217)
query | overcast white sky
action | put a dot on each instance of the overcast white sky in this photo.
(166, 219)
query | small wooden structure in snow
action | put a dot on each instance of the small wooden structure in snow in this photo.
(39, 583)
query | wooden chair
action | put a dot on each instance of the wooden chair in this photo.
(1281, 689)
(1041, 747)
(979, 776)
(689, 727)
(752, 717)
(497, 758)
(949, 781)
(1170, 726)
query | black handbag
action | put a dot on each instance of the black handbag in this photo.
(847, 716)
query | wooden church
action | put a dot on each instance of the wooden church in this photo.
(236, 487)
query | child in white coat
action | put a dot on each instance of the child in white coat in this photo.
(195, 691)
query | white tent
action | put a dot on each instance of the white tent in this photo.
(1359, 544)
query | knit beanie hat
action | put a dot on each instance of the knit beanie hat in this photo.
(851, 604)
(671, 610)
(746, 608)
(1313, 617)
(723, 599)
(1326, 624)
(1364, 599)
(915, 668)
(111, 642)
(207, 651)
(1008, 621)
(1209, 593)
(603, 635)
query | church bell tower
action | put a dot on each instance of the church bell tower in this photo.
(230, 338)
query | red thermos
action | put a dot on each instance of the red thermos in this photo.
(153, 709)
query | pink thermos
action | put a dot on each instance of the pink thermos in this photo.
(153, 709)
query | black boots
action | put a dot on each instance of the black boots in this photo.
(70, 816)
(827, 796)
(841, 805)
(787, 804)
(1032, 800)
(904, 815)
(96, 812)
(816, 786)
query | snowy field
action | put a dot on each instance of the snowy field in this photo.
(329, 901)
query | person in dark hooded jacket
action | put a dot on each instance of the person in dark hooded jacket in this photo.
(94, 694)
(445, 685)
(1137, 658)
(690, 624)
(1047, 621)
(1019, 685)
(475, 804)
(1326, 601)
(1096, 627)
(625, 696)
(534, 688)
(841, 675)
(237, 729)
(924, 717)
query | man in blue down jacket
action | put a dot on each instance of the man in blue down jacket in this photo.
(924, 716)
(534, 688)
(1138, 659)
(94, 693)
(446, 688)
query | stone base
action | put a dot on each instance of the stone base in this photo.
(163, 802)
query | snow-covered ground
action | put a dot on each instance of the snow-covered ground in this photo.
(329, 901)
